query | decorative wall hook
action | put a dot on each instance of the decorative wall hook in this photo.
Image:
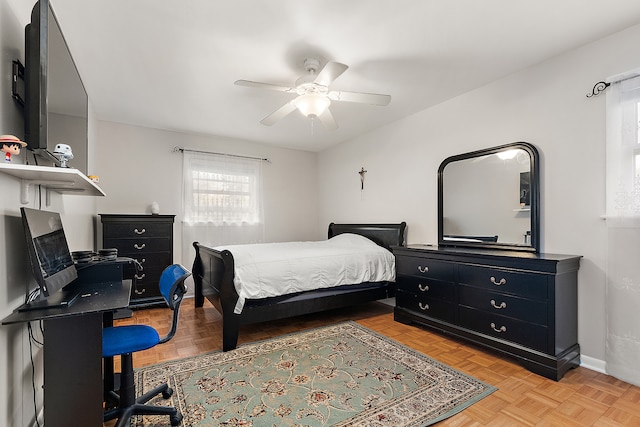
(598, 88)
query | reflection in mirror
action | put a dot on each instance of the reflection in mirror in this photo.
(489, 198)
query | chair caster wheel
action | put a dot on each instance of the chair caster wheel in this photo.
(176, 419)
(167, 393)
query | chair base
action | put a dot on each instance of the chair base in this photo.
(130, 406)
(139, 408)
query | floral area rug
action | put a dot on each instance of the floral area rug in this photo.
(340, 375)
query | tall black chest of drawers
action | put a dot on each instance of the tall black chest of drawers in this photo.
(147, 239)
(520, 304)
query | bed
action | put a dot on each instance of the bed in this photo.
(214, 271)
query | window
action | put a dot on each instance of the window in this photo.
(622, 349)
(623, 149)
(222, 190)
(222, 200)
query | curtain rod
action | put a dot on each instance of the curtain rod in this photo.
(264, 159)
(602, 85)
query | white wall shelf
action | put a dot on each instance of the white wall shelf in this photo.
(61, 180)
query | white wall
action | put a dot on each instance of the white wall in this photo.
(544, 105)
(16, 394)
(137, 166)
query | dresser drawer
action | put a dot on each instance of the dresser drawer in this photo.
(527, 310)
(133, 247)
(422, 267)
(152, 260)
(426, 287)
(138, 229)
(524, 333)
(526, 285)
(146, 282)
(426, 306)
(151, 265)
(150, 289)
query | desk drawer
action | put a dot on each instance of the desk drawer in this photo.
(524, 333)
(424, 267)
(425, 287)
(426, 306)
(526, 285)
(503, 304)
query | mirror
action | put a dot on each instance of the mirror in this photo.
(490, 199)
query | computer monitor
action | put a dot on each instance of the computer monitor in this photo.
(51, 262)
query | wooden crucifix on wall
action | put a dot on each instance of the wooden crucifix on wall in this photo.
(362, 172)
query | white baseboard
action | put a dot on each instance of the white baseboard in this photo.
(593, 364)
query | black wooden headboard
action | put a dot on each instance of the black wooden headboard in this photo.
(385, 235)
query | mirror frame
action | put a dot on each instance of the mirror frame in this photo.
(534, 192)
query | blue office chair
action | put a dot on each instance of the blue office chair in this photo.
(125, 340)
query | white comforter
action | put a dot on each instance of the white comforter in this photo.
(273, 269)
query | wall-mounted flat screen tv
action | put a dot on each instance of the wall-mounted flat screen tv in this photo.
(56, 102)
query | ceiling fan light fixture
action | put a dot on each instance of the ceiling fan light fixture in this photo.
(312, 105)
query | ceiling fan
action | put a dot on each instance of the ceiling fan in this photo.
(313, 94)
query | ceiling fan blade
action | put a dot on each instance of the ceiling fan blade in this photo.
(269, 86)
(330, 72)
(359, 97)
(327, 120)
(279, 114)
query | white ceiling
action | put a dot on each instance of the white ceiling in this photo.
(172, 64)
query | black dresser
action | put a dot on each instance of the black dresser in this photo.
(147, 239)
(521, 304)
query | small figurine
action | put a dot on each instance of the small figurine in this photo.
(63, 153)
(11, 145)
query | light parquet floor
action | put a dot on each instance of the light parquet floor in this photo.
(582, 398)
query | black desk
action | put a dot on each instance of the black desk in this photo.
(73, 388)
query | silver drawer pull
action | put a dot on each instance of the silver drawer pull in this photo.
(138, 263)
(500, 283)
(422, 269)
(135, 230)
(423, 306)
(502, 328)
(135, 245)
(139, 277)
(502, 304)
(140, 292)
(423, 288)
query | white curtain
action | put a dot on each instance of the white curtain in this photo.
(222, 200)
(623, 231)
